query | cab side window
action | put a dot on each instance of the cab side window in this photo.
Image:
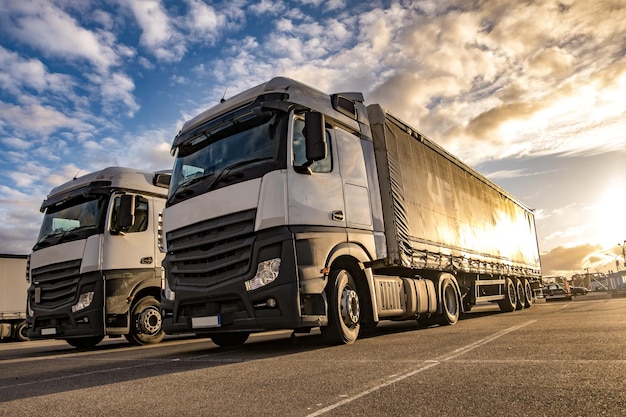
(299, 150)
(141, 215)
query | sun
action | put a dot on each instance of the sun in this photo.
(609, 217)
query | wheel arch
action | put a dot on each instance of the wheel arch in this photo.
(353, 257)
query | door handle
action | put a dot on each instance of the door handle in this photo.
(337, 215)
(146, 261)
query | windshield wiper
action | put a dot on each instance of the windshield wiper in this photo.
(74, 230)
(220, 175)
(47, 236)
(182, 188)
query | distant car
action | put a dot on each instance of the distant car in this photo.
(578, 290)
(555, 292)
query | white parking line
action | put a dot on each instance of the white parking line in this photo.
(427, 365)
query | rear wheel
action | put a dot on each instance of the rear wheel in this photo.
(230, 339)
(344, 309)
(520, 293)
(84, 342)
(510, 298)
(145, 322)
(528, 291)
(450, 305)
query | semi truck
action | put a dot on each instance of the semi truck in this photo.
(13, 287)
(95, 269)
(290, 208)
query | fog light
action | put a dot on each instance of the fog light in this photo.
(271, 303)
(84, 301)
(266, 273)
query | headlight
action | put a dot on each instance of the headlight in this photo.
(84, 301)
(266, 273)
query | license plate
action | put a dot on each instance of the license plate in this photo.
(205, 322)
(48, 332)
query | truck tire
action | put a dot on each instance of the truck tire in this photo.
(230, 339)
(510, 297)
(20, 331)
(344, 309)
(528, 292)
(145, 322)
(450, 306)
(520, 293)
(84, 342)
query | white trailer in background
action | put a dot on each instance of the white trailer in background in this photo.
(13, 288)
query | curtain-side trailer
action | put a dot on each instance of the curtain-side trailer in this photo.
(293, 209)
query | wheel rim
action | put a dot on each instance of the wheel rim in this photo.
(149, 321)
(512, 295)
(528, 292)
(350, 308)
(450, 300)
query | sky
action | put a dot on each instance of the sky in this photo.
(530, 93)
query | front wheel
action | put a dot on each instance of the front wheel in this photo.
(230, 339)
(84, 342)
(145, 322)
(344, 309)
(20, 331)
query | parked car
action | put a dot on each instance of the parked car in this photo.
(578, 290)
(555, 291)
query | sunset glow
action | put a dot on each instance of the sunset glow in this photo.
(531, 94)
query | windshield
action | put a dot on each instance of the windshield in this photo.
(241, 151)
(76, 219)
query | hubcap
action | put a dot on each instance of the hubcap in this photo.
(150, 321)
(350, 309)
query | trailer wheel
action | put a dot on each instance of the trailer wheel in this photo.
(230, 339)
(521, 295)
(510, 298)
(450, 306)
(528, 292)
(84, 342)
(145, 322)
(20, 331)
(344, 309)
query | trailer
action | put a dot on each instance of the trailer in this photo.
(13, 287)
(95, 269)
(293, 209)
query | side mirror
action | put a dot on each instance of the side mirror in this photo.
(126, 215)
(315, 136)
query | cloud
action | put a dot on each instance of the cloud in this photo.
(158, 35)
(115, 88)
(567, 261)
(18, 73)
(37, 118)
(16, 143)
(54, 32)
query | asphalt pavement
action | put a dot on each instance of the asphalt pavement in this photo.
(565, 358)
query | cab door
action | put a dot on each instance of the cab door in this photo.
(131, 248)
(315, 197)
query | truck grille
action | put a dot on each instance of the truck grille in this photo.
(212, 251)
(56, 284)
